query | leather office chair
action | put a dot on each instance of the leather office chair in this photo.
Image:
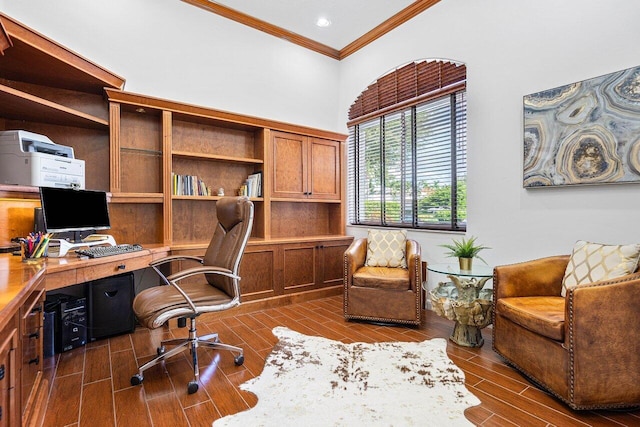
(382, 294)
(217, 288)
(579, 347)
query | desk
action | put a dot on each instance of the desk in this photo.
(22, 294)
(464, 301)
(71, 270)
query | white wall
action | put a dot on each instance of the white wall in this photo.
(513, 48)
(170, 49)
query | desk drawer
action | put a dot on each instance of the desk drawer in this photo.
(99, 271)
(61, 279)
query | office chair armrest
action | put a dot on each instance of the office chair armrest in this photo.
(172, 258)
(173, 279)
(201, 270)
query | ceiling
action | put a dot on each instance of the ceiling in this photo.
(354, 23)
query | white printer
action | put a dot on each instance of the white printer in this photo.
(27, 158)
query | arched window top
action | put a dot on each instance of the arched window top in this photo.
(413, 82)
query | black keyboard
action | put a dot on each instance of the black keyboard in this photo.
(102, 251)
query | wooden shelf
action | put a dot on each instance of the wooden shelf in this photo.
(18, 105)
(292, 200)
(137, 198)
(209, 198)
(215, 157)
(19, 192)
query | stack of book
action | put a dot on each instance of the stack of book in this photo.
(189, 185)
(252, 187)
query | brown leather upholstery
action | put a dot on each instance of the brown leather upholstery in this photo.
(382, 294)
(583, 347)
(154, 306)
(213, 285)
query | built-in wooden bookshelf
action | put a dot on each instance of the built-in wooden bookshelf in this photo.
(300, 167)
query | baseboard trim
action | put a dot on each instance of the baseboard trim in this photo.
(274, 302)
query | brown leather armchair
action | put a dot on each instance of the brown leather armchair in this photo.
(584, 347)
(382, 294)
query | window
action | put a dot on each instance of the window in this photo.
(407, 161)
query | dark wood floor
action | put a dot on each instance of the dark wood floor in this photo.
(90, 385)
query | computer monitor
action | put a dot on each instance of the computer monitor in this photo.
(71, 210)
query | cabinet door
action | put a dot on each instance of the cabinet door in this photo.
(325, 169)
(290, 160)
(32, 320)
(8, 343)
(258, 272)
(299, 265)
(331, 262)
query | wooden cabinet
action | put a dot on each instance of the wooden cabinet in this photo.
(305, 167)
(313, 264)
(153, 140)
(23, 389)
(9, 414)
(283, 267)
(31, 324)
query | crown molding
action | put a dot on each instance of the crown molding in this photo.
(396, 20)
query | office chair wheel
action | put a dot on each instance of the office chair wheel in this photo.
(137, 379)
(238, 360)
(192, 387)
(160, 350)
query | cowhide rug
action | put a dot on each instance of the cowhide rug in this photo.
(314, 381)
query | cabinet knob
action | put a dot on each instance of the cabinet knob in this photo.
(34, 335)
(2, 372)
(121, 267)
(36, 361)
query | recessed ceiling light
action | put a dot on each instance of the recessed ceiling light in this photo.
(323, 22)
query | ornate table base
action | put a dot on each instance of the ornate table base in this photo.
(467, 336)
(470, 316)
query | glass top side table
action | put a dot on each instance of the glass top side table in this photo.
(464, 301)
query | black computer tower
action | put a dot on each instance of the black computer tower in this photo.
(110, 306)
(70, 320)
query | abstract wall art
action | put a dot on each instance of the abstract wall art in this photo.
(584, 133)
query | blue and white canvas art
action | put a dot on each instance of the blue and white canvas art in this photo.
(584, 133)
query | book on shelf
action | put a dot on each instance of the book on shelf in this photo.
(189, 185)
(252, 187)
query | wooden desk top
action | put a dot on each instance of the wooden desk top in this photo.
(73, 262)
(16, 281)
(17, 278)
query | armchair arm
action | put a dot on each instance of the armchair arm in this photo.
(414, 255)
(602, 332)
(354, 257)
(541, 277)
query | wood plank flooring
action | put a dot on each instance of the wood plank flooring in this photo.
(90, 385)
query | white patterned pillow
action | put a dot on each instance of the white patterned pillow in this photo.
(592, 262)
(386, 248)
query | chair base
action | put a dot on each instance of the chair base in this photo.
(192, 343)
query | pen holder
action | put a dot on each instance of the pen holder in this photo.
(34, 246)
